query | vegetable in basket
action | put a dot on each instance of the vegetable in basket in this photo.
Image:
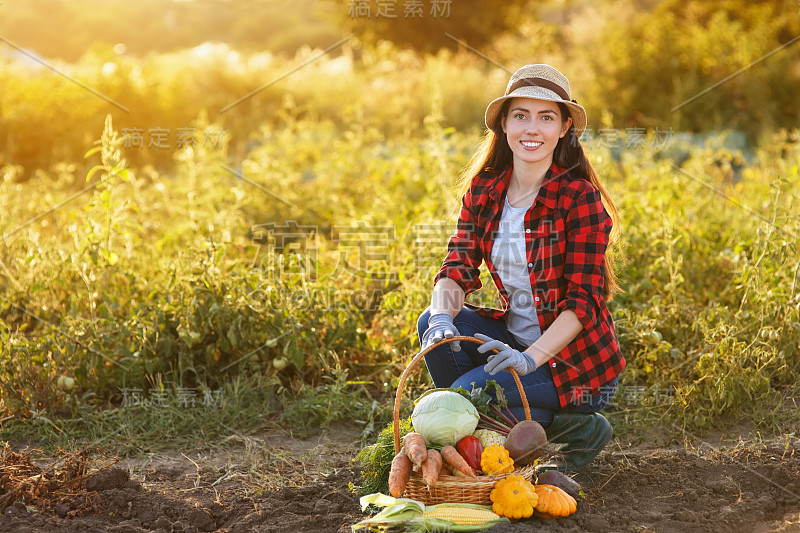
(457, 461)
(444, 417)
(470, 448)
(431, 468)
(489, 437)
(399, 474)
(495, 460)
(414, 446)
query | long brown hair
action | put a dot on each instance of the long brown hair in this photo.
(494, 154)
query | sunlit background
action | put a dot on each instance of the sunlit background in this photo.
(632, 64)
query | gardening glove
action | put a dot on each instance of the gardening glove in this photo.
(440, 326)
(506, 357)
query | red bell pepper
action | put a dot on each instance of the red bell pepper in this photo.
(471, 449)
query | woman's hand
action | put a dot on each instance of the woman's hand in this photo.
(507, 357)
(440, 326)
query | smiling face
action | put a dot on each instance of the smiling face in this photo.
(533, 129)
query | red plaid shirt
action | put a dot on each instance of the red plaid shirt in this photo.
(566, 232)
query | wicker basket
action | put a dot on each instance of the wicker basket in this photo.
(453, 489)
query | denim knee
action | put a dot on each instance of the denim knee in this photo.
(598, 402)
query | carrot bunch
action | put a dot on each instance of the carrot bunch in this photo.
(416, 456)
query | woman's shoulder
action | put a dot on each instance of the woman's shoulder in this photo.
(572, 187)
(486, 177)
(484, 181)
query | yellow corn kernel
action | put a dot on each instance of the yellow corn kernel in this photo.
(462, 514)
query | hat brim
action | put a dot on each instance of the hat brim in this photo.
(577, 111)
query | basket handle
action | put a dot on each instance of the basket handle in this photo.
(415, 360)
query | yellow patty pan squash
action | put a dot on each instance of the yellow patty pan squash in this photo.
(495, 460)
(514, 497)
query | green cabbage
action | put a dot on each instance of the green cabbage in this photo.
(444, 417)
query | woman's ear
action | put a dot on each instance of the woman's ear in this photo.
(503, 123)
(565, 127)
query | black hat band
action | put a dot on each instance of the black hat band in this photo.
(539, 82)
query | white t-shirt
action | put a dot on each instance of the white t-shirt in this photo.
(511, 262)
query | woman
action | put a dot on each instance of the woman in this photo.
(533, 211)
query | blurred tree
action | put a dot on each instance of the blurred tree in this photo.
(65, 30)
(697, 65)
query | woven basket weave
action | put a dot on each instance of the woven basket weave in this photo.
(453, 489)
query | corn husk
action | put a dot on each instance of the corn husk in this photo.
(408, 512)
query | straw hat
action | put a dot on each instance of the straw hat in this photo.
(541, 82)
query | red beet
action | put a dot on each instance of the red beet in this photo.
(526, 442)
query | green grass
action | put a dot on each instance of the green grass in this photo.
(174, 279)
(243, 406)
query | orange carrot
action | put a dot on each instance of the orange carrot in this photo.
(453, 458)
(414, 445)
(447, 470)
(399, 474)
(431, 468)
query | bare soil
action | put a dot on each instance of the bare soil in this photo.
(277, 483)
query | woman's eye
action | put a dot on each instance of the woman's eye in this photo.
(547, 118)
(519, 116)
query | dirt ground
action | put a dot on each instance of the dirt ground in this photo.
(276, 483)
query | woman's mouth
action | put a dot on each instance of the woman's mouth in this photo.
(531, 145)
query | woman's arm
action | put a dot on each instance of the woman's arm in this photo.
(588, 229)
(560, 333)
(448, 297)
(460, 272)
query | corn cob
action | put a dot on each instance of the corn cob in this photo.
(463, 514)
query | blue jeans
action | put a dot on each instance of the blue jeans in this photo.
(460, 369)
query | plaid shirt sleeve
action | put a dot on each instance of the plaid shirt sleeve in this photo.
(464, 255)
(588, 228)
